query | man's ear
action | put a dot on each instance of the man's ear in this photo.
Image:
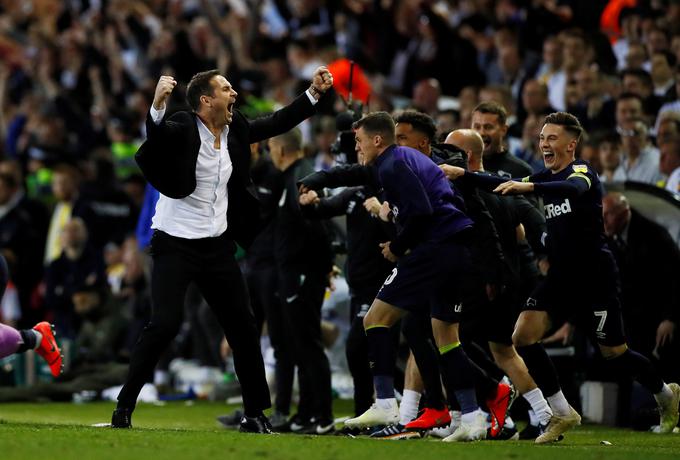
(571, 147)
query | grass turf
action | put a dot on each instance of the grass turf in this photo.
(179, 431)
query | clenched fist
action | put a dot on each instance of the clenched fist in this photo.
(310, 197)
(163, 89)
(322, 81)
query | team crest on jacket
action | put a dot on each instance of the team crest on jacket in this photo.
(580, 168)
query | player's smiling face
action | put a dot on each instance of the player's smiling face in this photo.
(558, 147)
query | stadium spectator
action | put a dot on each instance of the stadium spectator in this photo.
(639, 82)
(669, 163)
(426, 94)
(534, 101)
(529, 151)
(549, 72)
(68, 204)
(639, 159)
(609, 151)
(78, 261)
(649, 264)
(22, 242)
(663, 63)
(672, 107)
(594, 107)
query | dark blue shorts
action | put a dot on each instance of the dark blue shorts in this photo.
(589, 300)
(428, 278)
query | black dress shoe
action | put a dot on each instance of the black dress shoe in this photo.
(259, 424)
(232, 420)
(121, 418)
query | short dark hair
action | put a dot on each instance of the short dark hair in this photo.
(291, 140)
(380, 123)
(68, 170)
(567, 121)
(420, 121)
(627, 95)
(613, 138)
(493, 108)
(668, 56)
(198, 86)
(641, 74)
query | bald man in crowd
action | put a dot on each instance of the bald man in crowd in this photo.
(649, 264)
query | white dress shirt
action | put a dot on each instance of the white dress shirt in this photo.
(202, 214)
(673, 184)
(645, 169)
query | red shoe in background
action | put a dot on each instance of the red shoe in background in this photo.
(48, 349)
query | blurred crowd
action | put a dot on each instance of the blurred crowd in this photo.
(77, 80)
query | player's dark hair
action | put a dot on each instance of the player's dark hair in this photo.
(198, 86)
(421, 122)
(377, 123)
(567, 121)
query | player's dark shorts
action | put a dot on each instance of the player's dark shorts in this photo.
(429, 277)
(492, 321)
(589, 299)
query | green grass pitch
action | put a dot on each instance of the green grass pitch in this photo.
(180, 431)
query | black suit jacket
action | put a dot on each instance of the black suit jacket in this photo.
(650, 270)
(168, 159)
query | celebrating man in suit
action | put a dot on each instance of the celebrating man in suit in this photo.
(199, 162)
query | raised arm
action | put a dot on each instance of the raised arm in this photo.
(300, 109)
(353, 175)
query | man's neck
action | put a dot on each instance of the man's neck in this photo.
(290, 160)
(633, 156)
(215, 128)
(495, 154)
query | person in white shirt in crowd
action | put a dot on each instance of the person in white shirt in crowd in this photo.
(640, 160)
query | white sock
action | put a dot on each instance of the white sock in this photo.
(533, 419)
(539, 405)
(38, 341)
(408, 410)
(387, 403)
(559, 403)
(456, 416)
(470, 417)
(161, 377)
(665, 396)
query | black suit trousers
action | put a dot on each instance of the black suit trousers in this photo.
(209, 262)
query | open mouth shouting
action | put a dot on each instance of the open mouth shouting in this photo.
(548, 156)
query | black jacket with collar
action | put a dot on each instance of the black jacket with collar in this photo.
(168, 159)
